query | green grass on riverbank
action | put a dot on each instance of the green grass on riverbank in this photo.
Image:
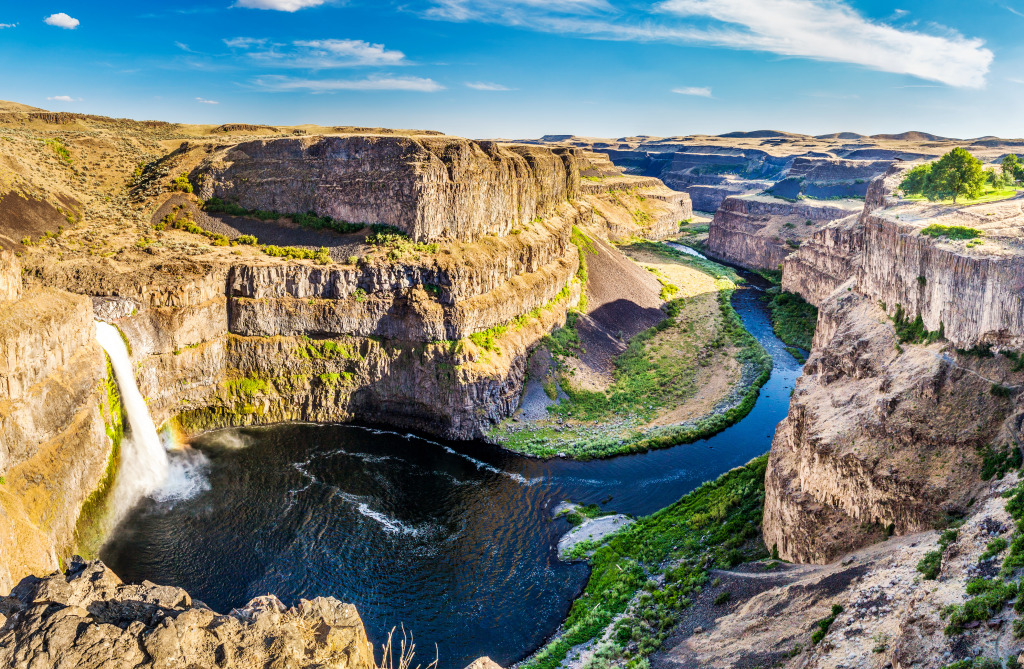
(653, 375)
(651, 570)
(793, 320)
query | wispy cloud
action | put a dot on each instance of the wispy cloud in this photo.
(62, 20)
(1013, 11)
(8, 25)
(501, 11)
(317, 54)
(279, 83)
(487, 86)
(207, 102)
(185, 47)
(699, 91)
(828, 30)
(64, 98)
(279, 5)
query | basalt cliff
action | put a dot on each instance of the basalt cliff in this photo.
(402, 278)
(442, 263)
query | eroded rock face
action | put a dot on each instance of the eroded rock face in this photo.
(87, 618)
(825, 261)
(878, 437)
(55, 420)
(759, 232)
(429, 187)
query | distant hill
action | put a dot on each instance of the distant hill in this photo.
(759, 134)
(842, 135)
(915, 136)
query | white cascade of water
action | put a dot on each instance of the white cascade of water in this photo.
(144, 462)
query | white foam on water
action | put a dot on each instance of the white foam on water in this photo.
(186, 477)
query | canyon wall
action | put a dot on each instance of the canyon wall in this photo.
(887, 436)
(429, 187)
(759, 232)
(60, 426)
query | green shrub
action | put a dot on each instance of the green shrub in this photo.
(722, 598)
(793, 319)
(951, 231)
(989, 598)
(825, 623)
(248, 240)
(180, 184)
(61, 150)
(915, 332)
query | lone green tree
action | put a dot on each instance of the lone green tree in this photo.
(957, 173)
(1013, 169)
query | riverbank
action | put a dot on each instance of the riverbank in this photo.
(691, 375)
(645, 576)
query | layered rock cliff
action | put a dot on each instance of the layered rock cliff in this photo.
(429, 187)
(60, 426)
(759, 232)
(887, 428)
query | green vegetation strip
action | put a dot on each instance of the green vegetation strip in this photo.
(643, 383)
(793, 320)
(309, 220)
(715, 526)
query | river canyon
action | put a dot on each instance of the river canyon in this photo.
(333, 381)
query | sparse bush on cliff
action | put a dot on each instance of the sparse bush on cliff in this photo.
(180, 184)
(951, 231)
(825, 623)
(914, 331)
(61, 150)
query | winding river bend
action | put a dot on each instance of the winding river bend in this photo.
(455, 541)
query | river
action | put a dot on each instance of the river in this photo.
(455, 541)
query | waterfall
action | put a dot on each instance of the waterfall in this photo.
(144, 462)
(146, 468)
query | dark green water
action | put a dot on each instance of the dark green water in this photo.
(455, 541)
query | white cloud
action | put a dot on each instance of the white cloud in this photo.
(62, 20)
(699, 91)
(8, 25)
(64, 98)
(829, 30)
(318, 54)
(279, 5)
(384, 83)
(487, 86)
(207, 102)
(1013, 11)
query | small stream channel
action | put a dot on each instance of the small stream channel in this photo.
(453, 540)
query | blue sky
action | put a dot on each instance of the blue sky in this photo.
(522, 68)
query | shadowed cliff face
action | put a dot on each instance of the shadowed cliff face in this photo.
(759, 232)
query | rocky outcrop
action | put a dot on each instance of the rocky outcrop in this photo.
(975, 295)
(87, 618)
(10, 276)
(428, 187)
(759, 232)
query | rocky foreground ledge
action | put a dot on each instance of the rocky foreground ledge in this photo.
(87, 618)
